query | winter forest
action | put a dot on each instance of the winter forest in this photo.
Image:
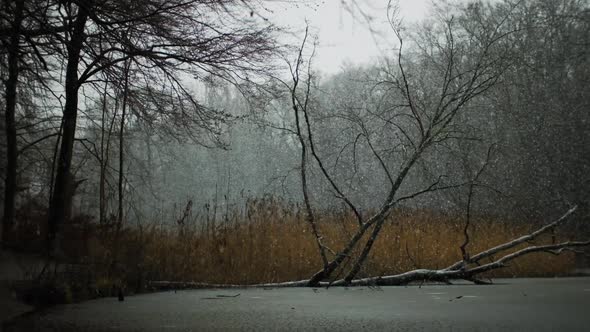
(197, 141)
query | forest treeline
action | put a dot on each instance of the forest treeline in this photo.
(121, 113)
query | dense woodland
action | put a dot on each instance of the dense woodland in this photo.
(121, 115)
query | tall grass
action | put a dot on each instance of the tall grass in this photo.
(271, 242)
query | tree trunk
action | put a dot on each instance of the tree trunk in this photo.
(310, 216)
(103, 162)
(121, 144)
(11, 149)
(59, 200)
(365, 253)
(376, 220)
(335, 263)
(120, 216)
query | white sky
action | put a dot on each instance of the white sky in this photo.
(343, 34)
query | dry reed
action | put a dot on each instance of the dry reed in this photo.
(271, 242)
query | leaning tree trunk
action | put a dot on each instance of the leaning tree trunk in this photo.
(377, 220)
(60, 198)
(11, 148)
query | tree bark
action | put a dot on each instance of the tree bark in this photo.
(103, 164)
(60, 199)
(120, 215)
(365, 253)
(12, 148)
(121, 145)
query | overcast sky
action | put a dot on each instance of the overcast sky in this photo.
(343, 32)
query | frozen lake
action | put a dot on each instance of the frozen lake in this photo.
(510, 304)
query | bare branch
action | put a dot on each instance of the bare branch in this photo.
(523, 239)
(310, 216)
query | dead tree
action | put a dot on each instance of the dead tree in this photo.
(461, 82)
(464, 64)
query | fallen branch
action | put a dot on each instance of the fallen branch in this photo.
(171, 285)
(457, 271)
(509, 245)
(446, 275)
(555, 249)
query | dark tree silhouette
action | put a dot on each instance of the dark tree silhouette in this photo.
(166, 39)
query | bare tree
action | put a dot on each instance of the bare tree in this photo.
(24, 32)
(430, 121)
(463, 63)
(165, 39)
(300, 107)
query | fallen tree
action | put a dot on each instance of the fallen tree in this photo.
(469, 270)
(466, 270)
